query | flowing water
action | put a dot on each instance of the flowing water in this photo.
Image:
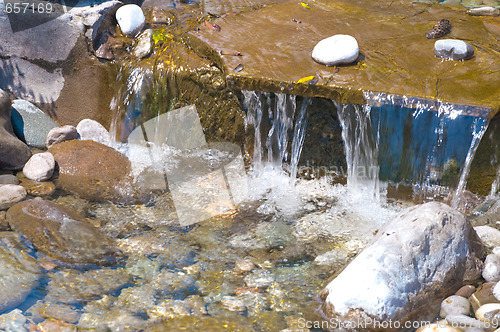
(224, 242)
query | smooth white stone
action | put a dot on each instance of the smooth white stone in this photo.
(454, 305)
(10, 194)
(130, 19)
(496, 291)
(453, 49)
(491, 271)
(336, 50)
(40, 167)
(484, 309)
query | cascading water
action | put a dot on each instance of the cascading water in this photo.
(280, 109)
(426, 144)
(361, 149)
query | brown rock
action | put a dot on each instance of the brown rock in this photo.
(483, 295)
(61, 233)
(466, 291)
(93, 171)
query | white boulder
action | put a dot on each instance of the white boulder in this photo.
(131, 19)
(336, 50)
(424, 253)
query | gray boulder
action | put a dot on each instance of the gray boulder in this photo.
(30, 123)
(13, 152)
(425, 253)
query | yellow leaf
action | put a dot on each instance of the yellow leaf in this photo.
(305, 79)
(305, 5)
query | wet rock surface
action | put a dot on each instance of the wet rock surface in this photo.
(92, 170)
(61, 233)
(19, 272)
(380, 29)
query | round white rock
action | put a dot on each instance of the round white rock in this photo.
(130, 19)
(336, 50)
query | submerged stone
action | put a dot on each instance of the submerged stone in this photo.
(453, 49)
(336, 50)
(19, 272)
(61, 233)
(426, 252)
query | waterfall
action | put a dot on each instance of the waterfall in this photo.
(361, 148)
(279, 128)
(479, 128)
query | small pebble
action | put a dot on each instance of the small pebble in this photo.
(244, 265)
(40, 167)
(454, 305)
(491, 271)
(487, 311)
(8, 179)
(466, 291)
(10, 194)
(61, 134)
